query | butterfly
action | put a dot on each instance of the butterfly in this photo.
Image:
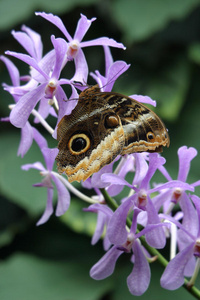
(102, 126)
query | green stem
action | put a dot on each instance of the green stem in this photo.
(160, 258)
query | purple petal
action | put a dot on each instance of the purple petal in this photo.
(163, 170)
(139, 279)
(150, 228)
(141, 168)
(49, 208)
(103, 41)
(173, 276)
(116, 230)
(26, 139)
(143, 99)
(173, 184)
(100, 225)
(155, 160)
(46, 64)
(190, 267)
(57, 22)
(22, 110)
(29, 60)
(106, 265)
(26, 43)
(96, 177)
(12, 70)
(114, 179)
(115, 70)
(49, 157)
(156, 237)
(60, 47)
(161, 199)
(40, 140)
(108, 59)
(43, 109)
(82, 27)
(196, 201)
(125, 165)
(185, 156)
(99, 207)
(81, 65)
(196, 183)
(36, 39)
(63, 197)
(190, 218)
(36, 165)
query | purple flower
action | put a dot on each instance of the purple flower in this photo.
(140, 199)
(30, 41)
(48, 177)
(28, 133)
(138, 280)
(170, 197)
(75, 45)
(104, 214)
(49, 87)
(173, 276)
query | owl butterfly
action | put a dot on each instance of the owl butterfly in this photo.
(102, 126)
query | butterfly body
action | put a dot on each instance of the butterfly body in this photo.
(102, 126)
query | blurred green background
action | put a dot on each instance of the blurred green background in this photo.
(163, 46)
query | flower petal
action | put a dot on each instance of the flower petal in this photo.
(63, 197)
(156, 237)
(22, 110)
(49, 208)
(190, 217)
(139, 279)
(106, 265)
(173, 276)
(36, 39)
(49, 157)
(26, 139)
(12, 70)
(185, 156)
(114, 179)
(28, 60)
(82, 27)
(36, 165)
(103, 41)
(60, 47)
(116, 230)
(57, 22)
(143, 99)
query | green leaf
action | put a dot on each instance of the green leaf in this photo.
(170, 88)
(26, 277)
(139, 19)
(15, 183)
(194, 52)
(22, 10)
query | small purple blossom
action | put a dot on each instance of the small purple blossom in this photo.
(50, 176)
(173, 276)
(75, 43)
(139, 279)
(140, 199)
(49, 87)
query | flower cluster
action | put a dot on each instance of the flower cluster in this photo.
(147, 217)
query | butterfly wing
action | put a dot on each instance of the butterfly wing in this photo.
(143, 129)
(102, 126)
(91, 137)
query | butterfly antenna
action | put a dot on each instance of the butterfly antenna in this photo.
(113, 78)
